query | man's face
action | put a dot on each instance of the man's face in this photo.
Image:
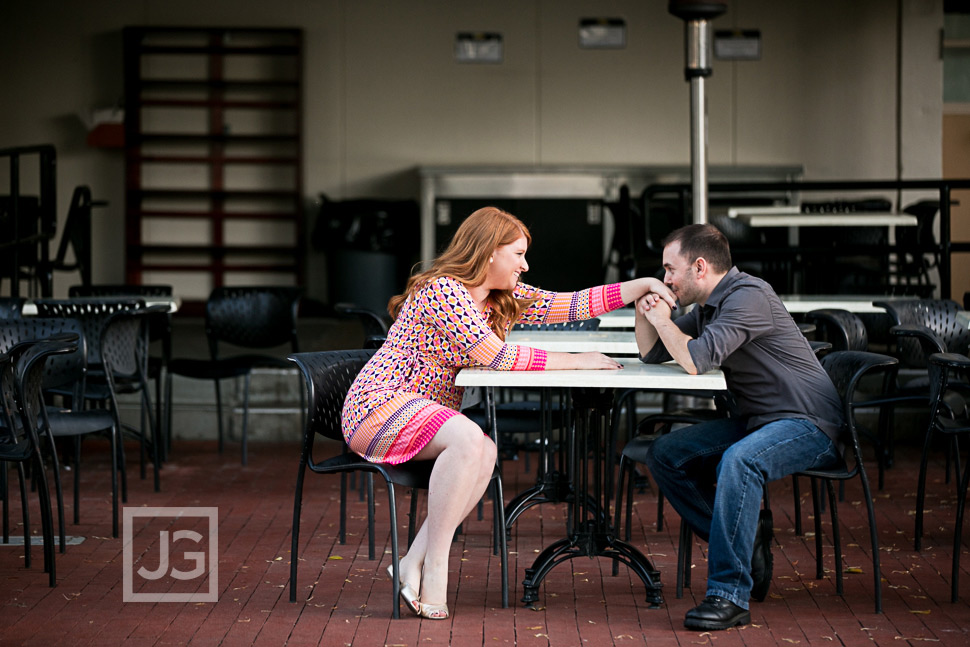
(680, 275)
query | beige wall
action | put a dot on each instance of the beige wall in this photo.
(383, 94)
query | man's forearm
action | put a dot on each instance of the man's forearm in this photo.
(646, 334)
(675, 341)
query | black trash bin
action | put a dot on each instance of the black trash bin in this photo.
(370, 245)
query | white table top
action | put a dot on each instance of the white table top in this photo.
(851, 219)
(860, 304)
(634, 375)
(577, 341)
(30, 308)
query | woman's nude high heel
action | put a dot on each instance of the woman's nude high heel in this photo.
(433, 611)
(407, 594)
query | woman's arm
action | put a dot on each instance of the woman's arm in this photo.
(448, 307)
(559, 307)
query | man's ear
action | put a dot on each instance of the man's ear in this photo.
(701, 266)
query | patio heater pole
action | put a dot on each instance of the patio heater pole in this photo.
(697, 39)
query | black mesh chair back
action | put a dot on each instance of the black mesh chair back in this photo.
(93, 313)
(328, 376)
(847, 369)
(841, 328)
(926, 326)
(915, 253)
(159, 325)
(64, 372)
(159, 330)
(252, 317)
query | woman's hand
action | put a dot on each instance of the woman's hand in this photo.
(556, 361)
(636, 289)
(596, 361)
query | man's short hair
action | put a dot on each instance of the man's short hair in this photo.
(707, 241)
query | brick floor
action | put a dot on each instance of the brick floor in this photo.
(344, 598)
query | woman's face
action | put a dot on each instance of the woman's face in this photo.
(507, 264)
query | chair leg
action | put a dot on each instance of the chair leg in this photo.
(219, 413)
(342, 531)
(874, 540)
(797, 495)
(25, 507)
(395, 554)
(114, 436)
(684, 552)
(159, 415)
(58, 488)
(5, 492)
(245, 421)
(47, 522)
(921, 488)
(295, 533)
(370, 517)
(77, 481)
(501, 539)
(817, 512)
(958, 536)
(167, 403)
(621, 474)
(836, 539)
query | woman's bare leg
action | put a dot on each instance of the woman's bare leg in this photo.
(454, 490)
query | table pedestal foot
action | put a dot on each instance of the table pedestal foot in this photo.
(588, 542)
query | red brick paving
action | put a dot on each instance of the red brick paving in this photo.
(344, 598)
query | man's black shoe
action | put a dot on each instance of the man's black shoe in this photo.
(716, 613)
(761, 559)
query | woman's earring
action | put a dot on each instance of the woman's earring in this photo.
(491, 260)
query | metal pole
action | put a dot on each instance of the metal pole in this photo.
(697, 15)
(697, 36)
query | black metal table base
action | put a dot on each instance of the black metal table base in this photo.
(586, 487)
(551, 487)
(589, 542)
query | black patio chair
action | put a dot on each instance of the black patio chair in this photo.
(19, 448)
(328, 376)
(949, 418)
(921, 328)
(21, 384)
(65, 372)
(159, 332)
(841, 328)
(130, 346)
(251, 318)
(847, 369)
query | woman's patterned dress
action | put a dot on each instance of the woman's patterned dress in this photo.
(407, 390)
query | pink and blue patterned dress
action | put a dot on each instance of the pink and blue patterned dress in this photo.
(407, 390)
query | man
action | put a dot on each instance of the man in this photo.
(786, 418)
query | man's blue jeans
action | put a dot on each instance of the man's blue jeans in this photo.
(714, 474)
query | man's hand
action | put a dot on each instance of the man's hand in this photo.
(653, 305)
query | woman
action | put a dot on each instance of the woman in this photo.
(404, 403)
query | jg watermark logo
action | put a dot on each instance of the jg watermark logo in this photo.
(171, 554)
